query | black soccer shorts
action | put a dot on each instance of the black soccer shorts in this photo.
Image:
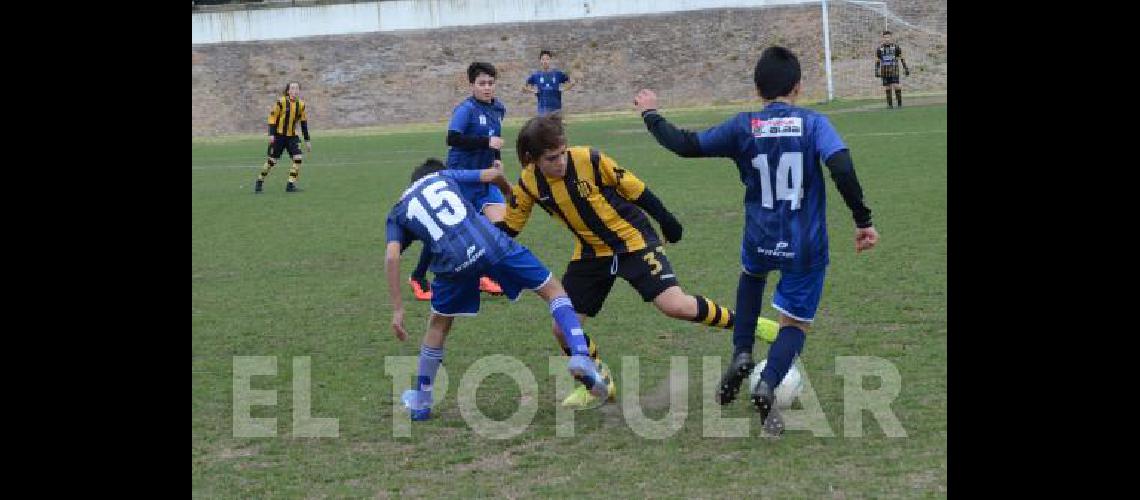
(588, 281)
(281, 142)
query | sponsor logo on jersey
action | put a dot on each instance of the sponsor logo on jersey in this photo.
(472, 256)
(790, 126)
(778, 251)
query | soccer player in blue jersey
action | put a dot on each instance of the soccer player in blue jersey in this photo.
(465, 246)
(547, 85)
(777, 151)
(475, 138)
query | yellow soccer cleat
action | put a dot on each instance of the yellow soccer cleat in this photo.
(766, 329)
(581, 399)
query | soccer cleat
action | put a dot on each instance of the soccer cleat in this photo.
(585, 371)
(420, 288)
(292, 188)
(730, 382)
(417, 409)
(581, 399)
(767, 329)
(257, 185)
(764, 399)
(488, 285)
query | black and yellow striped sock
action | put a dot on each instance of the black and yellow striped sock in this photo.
(294, 171)
(712, 314)
(269, 164)
(593, 348)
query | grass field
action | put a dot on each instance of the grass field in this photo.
(302, 275)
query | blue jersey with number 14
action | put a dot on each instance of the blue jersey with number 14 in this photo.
(460, 240)
(778, 151)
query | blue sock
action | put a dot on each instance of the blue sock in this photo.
(563, 312)
(422, 265)
(749, 297)
(430, 359)
(781, 354)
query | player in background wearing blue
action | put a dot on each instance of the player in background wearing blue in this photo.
(546, 84)
(465, 246)
(474, 139)
(778, 151)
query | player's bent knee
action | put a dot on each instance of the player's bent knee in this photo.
(786, 320)
(495, 212)
(551, 290)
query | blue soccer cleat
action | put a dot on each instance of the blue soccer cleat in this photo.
(584, 370)
(418, 409)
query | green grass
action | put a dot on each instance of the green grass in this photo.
(302, 275)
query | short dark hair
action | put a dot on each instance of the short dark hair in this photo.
(887, 32)
(777, 72)
(286, 91)
(541, 133)
(429, 166)
(476, 68)
(545, 53)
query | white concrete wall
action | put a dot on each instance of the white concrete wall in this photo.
(364, 17)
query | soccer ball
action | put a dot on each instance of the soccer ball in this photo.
(788, 390)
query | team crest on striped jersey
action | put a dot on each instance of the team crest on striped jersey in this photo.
(584, 188)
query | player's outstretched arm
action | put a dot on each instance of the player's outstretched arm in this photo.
(494, 175)
(843, 174)
(392, 272)
(681, 142)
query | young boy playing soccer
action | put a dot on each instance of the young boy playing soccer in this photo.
(607, 208)
(465, 246)
(474, 139)
(778, 151)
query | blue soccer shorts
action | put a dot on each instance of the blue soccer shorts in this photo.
(458, 295)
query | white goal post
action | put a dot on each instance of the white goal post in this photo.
(851, 33)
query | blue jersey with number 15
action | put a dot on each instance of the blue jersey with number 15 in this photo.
(460, 240)
(778, 151)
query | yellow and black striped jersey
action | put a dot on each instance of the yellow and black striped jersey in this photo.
(887, 58)
(593, 200)
(286, 114)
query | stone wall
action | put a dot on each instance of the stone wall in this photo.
(690, 58)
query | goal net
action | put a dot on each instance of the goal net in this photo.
(855, 28)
